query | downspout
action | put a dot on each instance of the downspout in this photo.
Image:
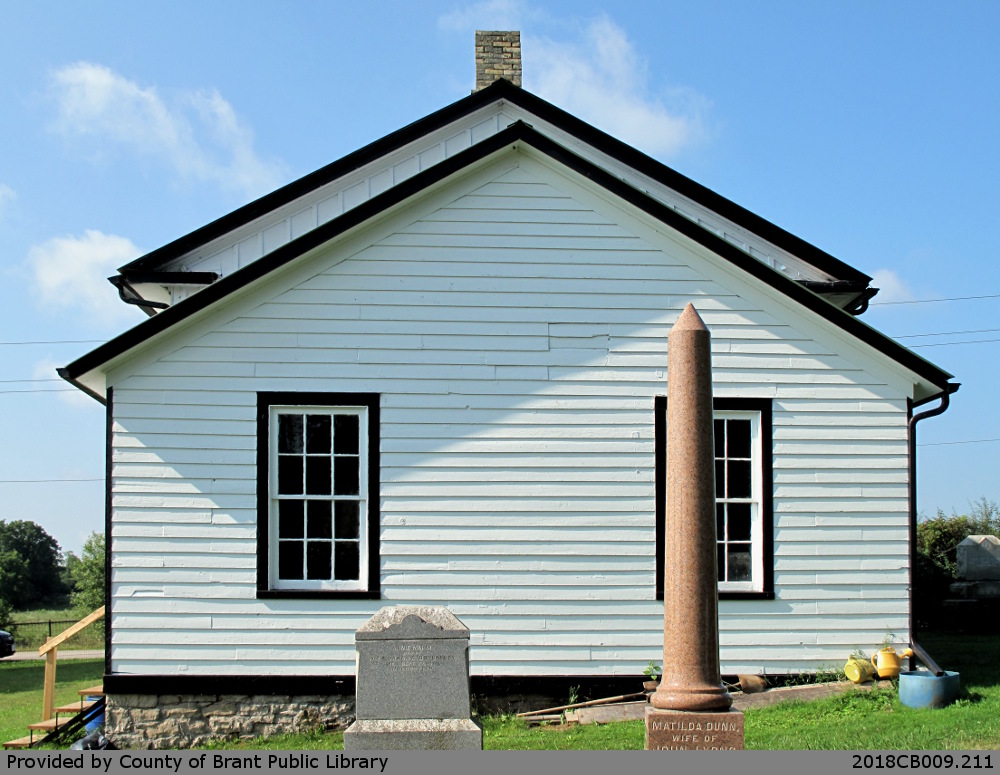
(911, 438)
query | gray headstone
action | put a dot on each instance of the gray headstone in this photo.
(413, 682)
(979, 558)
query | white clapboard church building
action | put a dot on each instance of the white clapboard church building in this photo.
(434, 373)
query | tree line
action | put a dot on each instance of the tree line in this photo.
(34, 572)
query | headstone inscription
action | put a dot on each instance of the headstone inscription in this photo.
(413, 683)
(691, 708)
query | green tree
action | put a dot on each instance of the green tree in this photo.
(13, 580)
(88, 576)
(41, 557)
(937, 555)
(66, 571)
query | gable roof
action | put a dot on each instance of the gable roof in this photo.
(86, 372)
(846, 276)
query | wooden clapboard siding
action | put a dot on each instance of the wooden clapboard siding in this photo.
(516, 334)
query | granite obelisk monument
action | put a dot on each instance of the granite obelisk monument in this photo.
(691, 708)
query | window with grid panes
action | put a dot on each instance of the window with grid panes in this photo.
(744, 502)
(737, 498)
(318, 498)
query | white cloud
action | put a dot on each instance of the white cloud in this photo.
(602, 79)
(7, 196)
(198, 134)
(46, 369)
(70, 273)
(593, 71)
(488, 15)
(891, 286)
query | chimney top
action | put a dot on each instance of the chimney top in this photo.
(498, 55)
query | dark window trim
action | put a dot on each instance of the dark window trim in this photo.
(762, 405)
(109, 421)
(265, 401)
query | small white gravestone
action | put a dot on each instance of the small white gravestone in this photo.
(413, 683)
(979, 558)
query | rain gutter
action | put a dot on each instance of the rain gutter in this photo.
(911, 438)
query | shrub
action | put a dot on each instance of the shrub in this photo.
(937, 562)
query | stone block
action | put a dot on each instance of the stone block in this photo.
(413, 663)
(683, 730)
(414, 735)
(979, 558)
(412, 682)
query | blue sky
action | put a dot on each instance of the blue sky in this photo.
(868, 129)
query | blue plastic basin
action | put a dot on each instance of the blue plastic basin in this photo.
(923, 689)
(95, 722)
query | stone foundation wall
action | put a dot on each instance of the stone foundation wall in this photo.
(138, 721)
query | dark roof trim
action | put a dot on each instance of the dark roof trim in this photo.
(835, 286)
(859, 291)
(318, 178)
(65, 374)
(686, 186)
(741, 259)
(518, 131)
(504, 90)
(289, 251)
(171, 278)
(130, 295)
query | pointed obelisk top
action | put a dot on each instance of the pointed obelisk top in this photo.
(689, 320)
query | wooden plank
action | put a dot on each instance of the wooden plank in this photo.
(74, 708)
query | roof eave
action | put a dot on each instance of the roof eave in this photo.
(97, 360)
(503, 90)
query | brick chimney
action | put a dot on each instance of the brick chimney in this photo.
(498, 55)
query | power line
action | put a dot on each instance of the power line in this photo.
(949, 443)
(55, 341)
(46, 481)
(40, 390)
(933, 301)
(949, 333)
(47, 379)
(948, 344)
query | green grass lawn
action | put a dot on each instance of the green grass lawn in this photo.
(21, 690)
(856, 720)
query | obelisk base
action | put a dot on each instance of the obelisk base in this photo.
(685, 730)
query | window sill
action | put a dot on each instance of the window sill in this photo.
(748, 595)
(317, 594)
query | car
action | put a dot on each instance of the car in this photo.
(6, 644)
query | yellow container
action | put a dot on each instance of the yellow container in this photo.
(886, 661)
(859, 670)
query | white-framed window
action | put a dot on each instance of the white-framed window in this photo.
(738, 508)
(319, 495)
(744, 496)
